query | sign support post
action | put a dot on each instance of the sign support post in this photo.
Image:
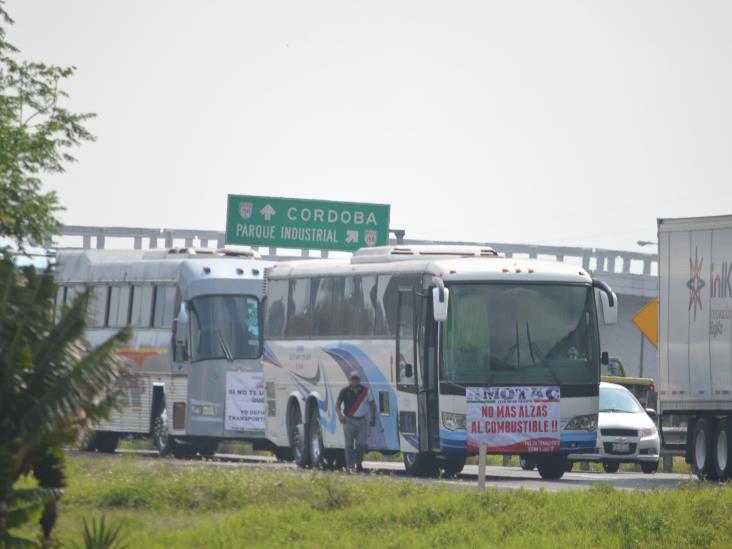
(481, 467)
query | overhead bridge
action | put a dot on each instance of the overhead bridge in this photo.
(632, 275)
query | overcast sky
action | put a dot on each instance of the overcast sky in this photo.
(568, 123)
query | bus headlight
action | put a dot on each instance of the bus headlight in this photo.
(453, 422)
(582, 423)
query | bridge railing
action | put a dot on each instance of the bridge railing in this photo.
(598, 260)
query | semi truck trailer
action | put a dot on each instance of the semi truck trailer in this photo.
(695, 341)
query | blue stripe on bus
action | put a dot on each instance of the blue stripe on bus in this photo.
(456, 441)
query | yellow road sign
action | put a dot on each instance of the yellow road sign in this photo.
(647, 321)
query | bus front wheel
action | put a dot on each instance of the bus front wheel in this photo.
(420, 464)
(453, 465)
(551, 467)
(162, 439)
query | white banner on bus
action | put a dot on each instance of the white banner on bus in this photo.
(513, 419)
(244, 402)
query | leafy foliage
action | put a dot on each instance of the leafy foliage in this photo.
(98, 535)
(36, 133)
(51, 386)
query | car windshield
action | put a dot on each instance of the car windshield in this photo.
(224, 326)
(520, 334)
(618, 400)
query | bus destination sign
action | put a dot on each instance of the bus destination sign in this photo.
(298, 223)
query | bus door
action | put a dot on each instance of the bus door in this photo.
(406, 372)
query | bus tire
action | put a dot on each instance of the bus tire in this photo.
(183, 451)
(568, 466)
(453, 465)
(106, 442)
(282, 454)
(527, 463)
(208, 449)
(162, 440)
(611, 466)
(297, 434)
(551, 467)
(702, 449)
(420, 464)
(722, 449)
(336, 459)
(315, 440)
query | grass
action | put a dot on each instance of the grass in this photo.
(164, 503)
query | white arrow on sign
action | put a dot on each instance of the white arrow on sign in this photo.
(268, 211)
(351, 236)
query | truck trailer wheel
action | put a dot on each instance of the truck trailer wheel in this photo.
(702, 449)
(722, 447)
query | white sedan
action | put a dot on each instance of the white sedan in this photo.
(626, 433)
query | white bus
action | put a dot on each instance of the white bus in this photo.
(420, 325)
(194, 357)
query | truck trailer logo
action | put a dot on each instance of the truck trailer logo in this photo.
(720, 285)
(696, 282)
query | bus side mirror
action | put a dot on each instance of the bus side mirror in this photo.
(440, 299)
(604, 358)
(181, 326)
(609, 302)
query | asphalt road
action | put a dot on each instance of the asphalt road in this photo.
(496, 476)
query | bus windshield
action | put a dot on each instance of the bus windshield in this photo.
(224, 326)
(520, 334)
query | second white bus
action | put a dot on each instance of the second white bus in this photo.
(421, 324)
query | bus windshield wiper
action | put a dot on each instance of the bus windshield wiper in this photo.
(531, 345)
(225, 347)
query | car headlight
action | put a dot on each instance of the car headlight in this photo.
(644, 433)
(453, 422)
(582, 423)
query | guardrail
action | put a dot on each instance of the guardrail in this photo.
(598, 260)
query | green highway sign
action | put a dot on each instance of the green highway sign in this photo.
(298, 223)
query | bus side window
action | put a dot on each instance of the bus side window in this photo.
(60, 301)
(96, 313)
(388, 297)
(141, 310)
(299, 314)
(164, 306)
(119, 303)
(276, 308)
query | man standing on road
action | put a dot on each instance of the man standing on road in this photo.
(352, 409)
